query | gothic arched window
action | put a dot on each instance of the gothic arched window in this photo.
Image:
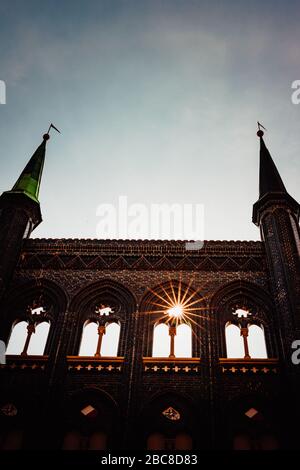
(234, 341)
(183, 341)
(172, 341)
(17, 338)
(245, 339)
(256, 342)
(38, 340)
(110, 341)
(28, 338)
(89, 339)
(161, 341)
(100, 340)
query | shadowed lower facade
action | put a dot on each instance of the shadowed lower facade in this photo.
(121, 344)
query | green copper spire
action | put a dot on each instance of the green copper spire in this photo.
(30, 178)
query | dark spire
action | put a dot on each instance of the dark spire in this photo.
(271, 187)
(30, 178)
(269, 177)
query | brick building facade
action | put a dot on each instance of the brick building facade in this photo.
(133, 400)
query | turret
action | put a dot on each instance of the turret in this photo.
(277, 215)
(20, 213)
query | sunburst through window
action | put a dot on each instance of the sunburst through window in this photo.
(177, 303)
(177, 309)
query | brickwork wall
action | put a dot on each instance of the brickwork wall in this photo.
(74, 273)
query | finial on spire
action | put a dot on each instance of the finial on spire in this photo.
(260, 133)
(47, 135)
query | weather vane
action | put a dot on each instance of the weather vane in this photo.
(53, 127)
(260, 133)
(47, 136)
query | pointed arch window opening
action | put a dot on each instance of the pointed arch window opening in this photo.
(165, 343)
(178, 306)
(110, 342)
(100, 340)
(256, 341)
(254, 345)
(38, 339)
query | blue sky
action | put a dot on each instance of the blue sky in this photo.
(156, 100)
